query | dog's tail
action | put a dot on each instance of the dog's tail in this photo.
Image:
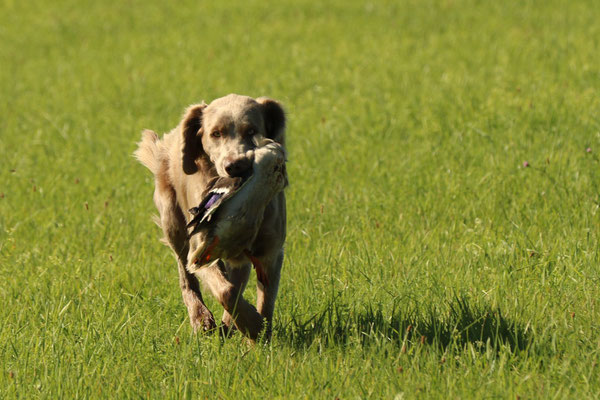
(148, 152)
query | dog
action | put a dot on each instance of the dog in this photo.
(212, 141)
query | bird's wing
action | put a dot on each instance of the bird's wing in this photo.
(199, 211)
(220, 189)
(223, 189)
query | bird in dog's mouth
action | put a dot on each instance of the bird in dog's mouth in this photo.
(229, 216)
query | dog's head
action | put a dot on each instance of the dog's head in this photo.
(226, 131)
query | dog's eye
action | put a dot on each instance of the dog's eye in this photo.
(215, 134)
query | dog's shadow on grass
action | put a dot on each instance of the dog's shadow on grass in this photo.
(461, 324)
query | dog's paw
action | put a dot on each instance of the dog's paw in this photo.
(203, 321)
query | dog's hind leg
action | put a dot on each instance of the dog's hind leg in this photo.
(267, 292)
(238, 276)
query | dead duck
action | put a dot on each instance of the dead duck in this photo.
(227, 220)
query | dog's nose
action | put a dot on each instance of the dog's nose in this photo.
(238, 166)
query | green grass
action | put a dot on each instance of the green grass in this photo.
(423, 258)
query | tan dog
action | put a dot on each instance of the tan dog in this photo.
(216, 140)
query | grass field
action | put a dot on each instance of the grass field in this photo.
(443, 213)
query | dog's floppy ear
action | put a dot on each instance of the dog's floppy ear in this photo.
(274, 117)
(191, 138)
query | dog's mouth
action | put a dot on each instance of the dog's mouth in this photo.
(246, 174)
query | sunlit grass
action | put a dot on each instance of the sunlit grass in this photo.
(443, 209)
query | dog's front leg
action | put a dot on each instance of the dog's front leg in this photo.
(200, 315)
(229, 294)
(173, 225)
(267, 294)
